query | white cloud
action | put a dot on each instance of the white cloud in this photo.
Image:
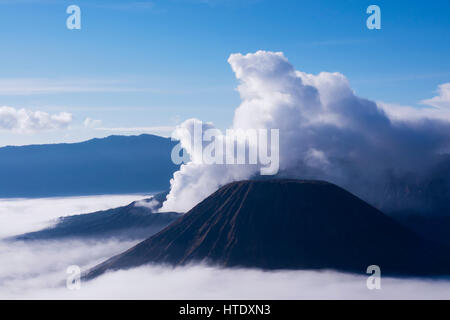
(442, 101)
(401, 113)
(37, 269)
(437, 108)
(152, 204)
(91, 123)
(28, 268)
(32, 86)
(27, 121)
(203, 282)
(326, 131)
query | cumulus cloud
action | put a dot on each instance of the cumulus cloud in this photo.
(28, 121)
(326, 131)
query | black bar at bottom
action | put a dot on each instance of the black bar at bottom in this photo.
(226, 309)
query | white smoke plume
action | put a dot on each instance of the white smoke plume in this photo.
(326, 130)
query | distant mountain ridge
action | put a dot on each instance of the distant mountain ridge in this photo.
(112, 165)
(287, 224)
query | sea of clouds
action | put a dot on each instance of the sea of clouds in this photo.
(28, 267)
(18, 216)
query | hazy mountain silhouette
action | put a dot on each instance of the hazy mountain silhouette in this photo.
(425, 193)
(116, 164)
(287, 224)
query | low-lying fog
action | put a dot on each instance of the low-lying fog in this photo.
(24, 215)
(37, 270)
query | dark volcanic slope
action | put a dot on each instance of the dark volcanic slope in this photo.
(128, 222)
(287, 224)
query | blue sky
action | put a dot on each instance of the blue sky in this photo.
(138, 65)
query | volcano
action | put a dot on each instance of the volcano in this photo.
(135, 221)
(287, 224)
